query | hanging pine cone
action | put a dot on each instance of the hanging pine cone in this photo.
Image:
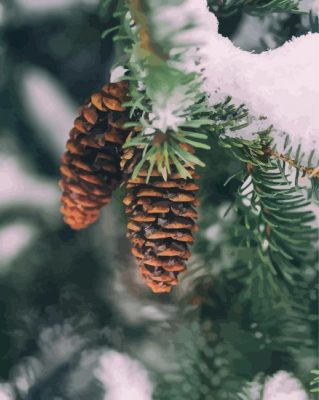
(90, 167)
(161, 223)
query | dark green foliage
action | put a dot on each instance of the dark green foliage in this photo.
(276, 226)
(254, 313)
(254, 7)
(275, 210)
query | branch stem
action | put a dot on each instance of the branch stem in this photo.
(312, 172)
(139, 15)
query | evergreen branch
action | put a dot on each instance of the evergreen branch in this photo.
(273, 213)
(167, 101)
(276, 215)
(168, 149)
(151, 68)
(228, 118)
(252, 331)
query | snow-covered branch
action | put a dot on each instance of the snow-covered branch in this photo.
(280, 85)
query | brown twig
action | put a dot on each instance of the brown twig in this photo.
(312, 172)
(139, 15)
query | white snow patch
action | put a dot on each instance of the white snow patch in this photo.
(169, 112)
(123, 377)
(117, 73)
(283, 386)
(49, 107)
(281, 84)
(14, 238)
(6, 392)
(214, 232)
(20, 187)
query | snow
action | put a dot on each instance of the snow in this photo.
(20, 187)
(49, 107)
(283, 386)
(280, 84)
(169, 111)
(14, 238)
(123, 377)
(5, 392)
(117, 73)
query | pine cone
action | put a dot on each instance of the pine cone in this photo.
(161, 221)
(90, 167)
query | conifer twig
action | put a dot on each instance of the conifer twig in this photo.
(137, 12)
(312, 172)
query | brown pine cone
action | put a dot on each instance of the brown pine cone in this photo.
(90, 167)
(162, 217)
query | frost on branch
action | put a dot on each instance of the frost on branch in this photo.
(123, 377)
